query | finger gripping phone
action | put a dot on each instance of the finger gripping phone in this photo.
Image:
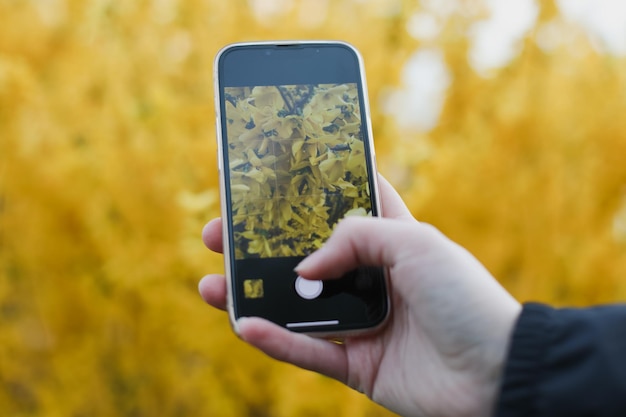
(295, 157)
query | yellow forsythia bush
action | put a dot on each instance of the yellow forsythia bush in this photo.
(108, 172)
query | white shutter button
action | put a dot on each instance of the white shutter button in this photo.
(308, 289)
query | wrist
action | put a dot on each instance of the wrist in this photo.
(495, 357)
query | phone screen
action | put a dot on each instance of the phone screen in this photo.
(297, 159)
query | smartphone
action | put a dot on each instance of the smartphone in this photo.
(295, 157)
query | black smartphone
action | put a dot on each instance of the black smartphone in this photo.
(295, 157)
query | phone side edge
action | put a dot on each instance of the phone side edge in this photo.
(374, 178)
(230, 304)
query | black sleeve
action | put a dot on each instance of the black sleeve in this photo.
(566, 362)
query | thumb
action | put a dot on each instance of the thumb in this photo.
(360, 241)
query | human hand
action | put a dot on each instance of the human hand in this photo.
(441, 352)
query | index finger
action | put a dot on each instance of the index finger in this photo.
(212, 235)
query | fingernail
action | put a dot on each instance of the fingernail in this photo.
(238, 324)
(305, 263)
(310, 260)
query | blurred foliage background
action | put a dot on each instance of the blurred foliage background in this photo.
(108, 173)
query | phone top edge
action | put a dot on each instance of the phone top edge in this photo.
(285, 42)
